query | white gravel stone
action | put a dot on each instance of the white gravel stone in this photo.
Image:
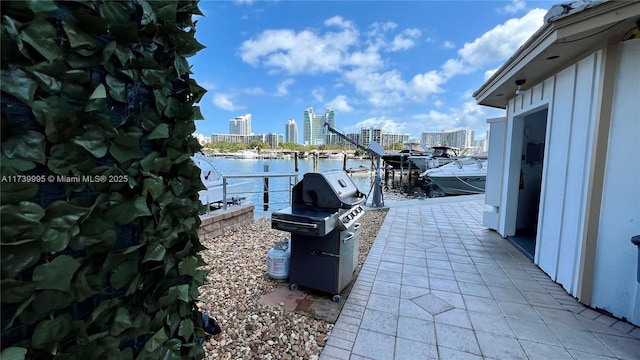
(237, 265)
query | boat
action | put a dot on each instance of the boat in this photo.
(438, 156)
(462, 176)
(335, 156)
(246, 154)
(213, 180)
(360, 170)
(400, 160)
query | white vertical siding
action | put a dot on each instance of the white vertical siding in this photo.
(615, 288)
(577, 175)
(555, 172)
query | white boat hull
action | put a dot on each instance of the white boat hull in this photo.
(460, 177)
(460, 185)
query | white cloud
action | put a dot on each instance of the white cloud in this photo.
(339, 22)
(469, 116)
(405, 41)
(318, 94)
(253, 91)
(339, 104)
(300, 52)
(283, 87)
(384, 89)
(489, 73)
(495, 45)
(514, 6)
(426, 84)
(224, 102)
(207, 85)
(449, 45)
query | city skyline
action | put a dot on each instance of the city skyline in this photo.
(406, 67)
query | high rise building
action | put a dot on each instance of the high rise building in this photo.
(390, 140)
(367, 135)
(315, 132)
(241, 125)
(455, 138)
(291, 132)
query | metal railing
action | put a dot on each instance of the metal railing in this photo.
(293, 180)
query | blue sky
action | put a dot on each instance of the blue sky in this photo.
(403, 66)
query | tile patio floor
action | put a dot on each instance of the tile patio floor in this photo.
(438, 285)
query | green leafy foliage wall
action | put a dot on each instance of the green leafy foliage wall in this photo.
(99, 207)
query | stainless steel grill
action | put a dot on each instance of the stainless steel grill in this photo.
(322, 221)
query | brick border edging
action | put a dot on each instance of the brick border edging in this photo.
(215, 223)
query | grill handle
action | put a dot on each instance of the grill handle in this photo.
(351, 235)
(297, 223)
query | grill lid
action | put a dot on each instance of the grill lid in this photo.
(330, 190)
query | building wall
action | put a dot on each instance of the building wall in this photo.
(314, 130)
(616, 257)
(291, 132)
(569, 97)
(573, 98)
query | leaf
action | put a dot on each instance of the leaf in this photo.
(154, 187)
(56, 240)
(46, 82)
(28, 146)
(125, 148)
(160, 132)
(17, 83)
(95, 234)
(16, 192)
(48, 301)
(141, 206)
(186, 329)
(41, 35)
(20, 310)
(57, 274)
(49, 333)
(154, 253)
(14, 353)
(115, 12)
(124, 273)
(197, 115)
(188, 265)
(14, 291)
(153, 163)
(57, 117)
(76, 84)
(154, 78)
(77, 37)
(64, 215)
(181, 65)
(100, 92)
(20, 221)
(68, 158)
(94, 140)
(18, 259)
(121, 322)
(99, 315)
(125, 34)
(167, 11)
(47, 7)
(156, 340)
(117, 89)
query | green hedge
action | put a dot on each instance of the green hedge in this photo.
(99, 207)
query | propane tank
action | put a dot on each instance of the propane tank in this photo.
(278, 261)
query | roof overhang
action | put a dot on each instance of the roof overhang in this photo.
(557, 45)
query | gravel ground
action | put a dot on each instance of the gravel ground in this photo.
(237, 278)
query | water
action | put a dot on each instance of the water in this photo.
(279, 187)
